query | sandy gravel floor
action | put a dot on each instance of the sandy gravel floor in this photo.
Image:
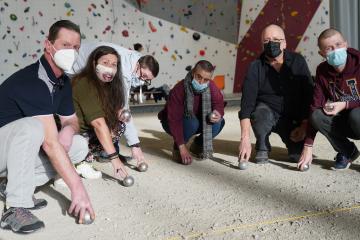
(212, 199)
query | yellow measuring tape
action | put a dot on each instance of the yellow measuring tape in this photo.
(263, 223)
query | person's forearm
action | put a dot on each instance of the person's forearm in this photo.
(72, 123)
(245, 126)
(61, 163)
(103, 134)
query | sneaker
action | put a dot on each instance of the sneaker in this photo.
(38, 203)
(59, 182)
(176, 155)
(197, 150)
(87, 171)
(20, 220)
(294, 157)
(262, 157)
(343, 162)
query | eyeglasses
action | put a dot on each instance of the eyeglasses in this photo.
(199, 77)
(146, 80)
(277, 40)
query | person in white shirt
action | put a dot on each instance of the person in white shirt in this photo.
(137, 70)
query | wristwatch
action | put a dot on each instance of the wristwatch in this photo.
(137, 145)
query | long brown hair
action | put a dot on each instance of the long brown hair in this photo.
(111, 94)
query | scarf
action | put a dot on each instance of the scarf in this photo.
(206, 110)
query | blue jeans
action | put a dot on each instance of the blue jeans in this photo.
(193, 126)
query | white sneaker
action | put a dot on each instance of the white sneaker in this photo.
(87, 171)
(59, 182)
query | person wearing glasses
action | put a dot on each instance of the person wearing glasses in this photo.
(136, 70)
(276, 96)
(335, 109)
(195, 107)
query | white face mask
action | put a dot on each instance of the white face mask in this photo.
(104, 73)
(65, 58)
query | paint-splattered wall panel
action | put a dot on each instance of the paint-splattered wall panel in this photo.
(215, 18)
(116, 21)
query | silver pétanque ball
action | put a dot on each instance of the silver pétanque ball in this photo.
(242, 165)
(126, 115)
(128, 181)
(306, 167)
(87, 219)
(143, 167)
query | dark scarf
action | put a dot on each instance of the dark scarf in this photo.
(206, 110)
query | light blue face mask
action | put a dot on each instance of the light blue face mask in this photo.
(199, 87)
(337, 57)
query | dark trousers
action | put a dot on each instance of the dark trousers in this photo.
(337, 129)
(193, 126)
(264, 121)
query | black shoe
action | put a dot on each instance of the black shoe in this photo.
(197, 150)
(20, 220)
(262, 157)
(294, 157)
(38, 203)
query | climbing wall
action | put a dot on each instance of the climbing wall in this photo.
(24, 25)
(177, 33)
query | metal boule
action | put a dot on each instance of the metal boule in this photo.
(242, 165)
(87, 219)
(128, 181)
(306, 167)
(125, 115)
(143, 167)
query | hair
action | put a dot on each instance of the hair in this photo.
(204, 65)
(150, 62)
(137, 46)
(326, 34)
(55, 28)
(112, 94)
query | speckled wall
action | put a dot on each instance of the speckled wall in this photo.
(24, 25)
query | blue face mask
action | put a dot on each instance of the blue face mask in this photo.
(199, 87)
(337, 57)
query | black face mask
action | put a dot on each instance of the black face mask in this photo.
(272, 49)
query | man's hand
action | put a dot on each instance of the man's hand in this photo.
(137, 153)
(244, 149)
(185, 155)
(215, 116)
(80, 203)
(65, 136)
(305, 158)
(298, 134)
(334, 108)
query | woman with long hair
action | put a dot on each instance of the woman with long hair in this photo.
(98, 96)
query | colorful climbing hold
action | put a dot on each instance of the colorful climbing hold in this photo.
(13, 17)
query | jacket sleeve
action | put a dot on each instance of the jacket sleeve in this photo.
(175, 113)
(307, 87)
(317, 102)
(250, 90)
(217, 99)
